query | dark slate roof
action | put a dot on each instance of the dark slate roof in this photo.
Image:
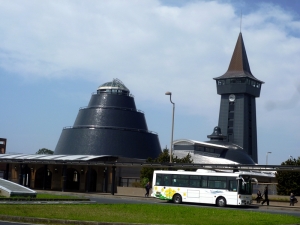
(239, 65)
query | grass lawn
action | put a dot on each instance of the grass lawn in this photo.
(147, 213)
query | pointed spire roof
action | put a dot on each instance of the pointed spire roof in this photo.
(239, 65)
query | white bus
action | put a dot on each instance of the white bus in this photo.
(203, 186)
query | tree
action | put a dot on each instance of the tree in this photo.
(289, 181)
(44, 151)
(164, 157)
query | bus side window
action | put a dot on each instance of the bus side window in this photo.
(232, 185)
(166, 180)
(217, 182)
(195, 183)
(203, 183)
(158, 180)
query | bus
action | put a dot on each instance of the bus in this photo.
(203, 186)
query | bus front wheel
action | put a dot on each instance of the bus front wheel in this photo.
(177, 198)
(221, 202)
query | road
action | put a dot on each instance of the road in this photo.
(139, 200)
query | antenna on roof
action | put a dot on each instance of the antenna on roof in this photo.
(241, 21)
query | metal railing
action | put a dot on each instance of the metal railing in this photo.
(113, 93)
(111, 107)
(109, 127)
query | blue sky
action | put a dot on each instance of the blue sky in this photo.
(54, 54)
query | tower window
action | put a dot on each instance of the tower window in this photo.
(243, 80)
(240, 80)
(220, 82)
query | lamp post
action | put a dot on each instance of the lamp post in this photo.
(267, 157)
(170, 93)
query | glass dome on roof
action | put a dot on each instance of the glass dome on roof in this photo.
(115, 84)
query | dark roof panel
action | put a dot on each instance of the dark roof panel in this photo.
(239, 65)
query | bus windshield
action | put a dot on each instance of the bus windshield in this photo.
(244, 185)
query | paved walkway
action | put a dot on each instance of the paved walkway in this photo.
(285, 205)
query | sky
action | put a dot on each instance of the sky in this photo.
(54, 54)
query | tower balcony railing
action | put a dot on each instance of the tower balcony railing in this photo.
(113, 93)
(109, 127)
(111, 107)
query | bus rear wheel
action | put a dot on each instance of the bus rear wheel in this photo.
(221, 202)
(177, 199)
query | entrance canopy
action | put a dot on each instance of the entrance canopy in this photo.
(110, 160)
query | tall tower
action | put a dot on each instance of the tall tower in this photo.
(238, 89)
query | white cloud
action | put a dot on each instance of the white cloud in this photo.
(155, 48)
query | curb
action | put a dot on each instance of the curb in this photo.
(45, 202)
(41, 199)
(58, 221)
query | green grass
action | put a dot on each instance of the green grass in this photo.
(148, 213)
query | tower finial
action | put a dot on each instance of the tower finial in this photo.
(241, 20)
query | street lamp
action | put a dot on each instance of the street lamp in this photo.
(267, 157)
(170, 93)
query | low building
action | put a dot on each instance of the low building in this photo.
(215, 151)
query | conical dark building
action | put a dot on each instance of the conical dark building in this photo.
(110, 125)
(238, 89)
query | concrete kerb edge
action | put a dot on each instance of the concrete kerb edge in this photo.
(57, 221)
(279, 208)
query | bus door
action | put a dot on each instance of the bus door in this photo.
(162, 182)
(193, 192)
(232, 197)
(206, 195)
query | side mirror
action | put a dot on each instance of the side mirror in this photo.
(243, 181)
(254, 180)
